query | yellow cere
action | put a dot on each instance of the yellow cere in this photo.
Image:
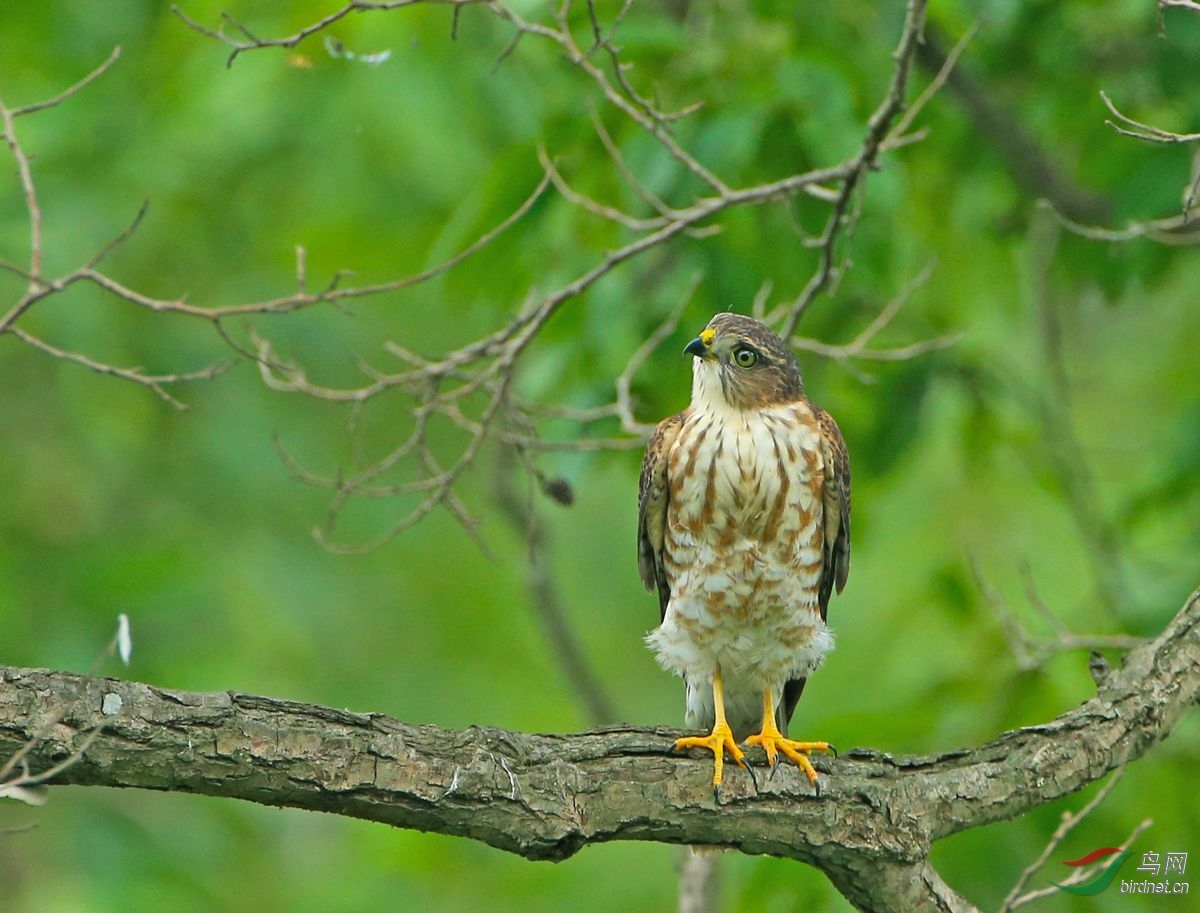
(706, 336)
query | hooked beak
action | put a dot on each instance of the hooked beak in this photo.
(701, 346)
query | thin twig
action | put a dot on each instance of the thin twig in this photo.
(1016, 898)
(860, 347)
(254, 43)
(629, 422)
(843, 219)
(155, 382)
(470, 388)
(1127, 126)
(896, 136)
(592, 206)
(618, 160)
(640, 111)
(73, 90)
(1032, 652)
(32, 206)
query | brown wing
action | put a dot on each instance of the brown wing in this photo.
(837, 509)
(653, 494)
(836, 566)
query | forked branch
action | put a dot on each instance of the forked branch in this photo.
(469, 395)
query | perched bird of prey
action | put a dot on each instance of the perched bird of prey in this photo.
(744, 529)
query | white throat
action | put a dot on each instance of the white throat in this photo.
(707, 395)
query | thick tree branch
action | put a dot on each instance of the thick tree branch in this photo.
(547, 796)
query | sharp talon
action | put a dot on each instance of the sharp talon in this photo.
(774, 742)
(833, 751)
(817, 788)
(753, 779)
(719, 742)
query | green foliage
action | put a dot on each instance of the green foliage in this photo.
(190, 523)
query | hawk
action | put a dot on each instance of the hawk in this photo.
(744, 529)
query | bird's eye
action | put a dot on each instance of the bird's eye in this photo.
(745, 358)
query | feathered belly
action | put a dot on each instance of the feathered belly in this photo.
(754, 618)
(744, 552)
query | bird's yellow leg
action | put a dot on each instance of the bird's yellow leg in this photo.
(720, 740)
(773, 741)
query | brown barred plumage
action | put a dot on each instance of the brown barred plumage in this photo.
(744, 530)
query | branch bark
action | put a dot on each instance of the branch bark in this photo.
(547, 796)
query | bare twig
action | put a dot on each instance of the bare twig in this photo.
(27, 778)
(860, 347)
(842, 219)
(155, 382)
(592, 206)
(636, 108)
(1018, 897)
(618, 160)
(896, 136)
(32, 207)
(1127, 126)
(629, 422)
(39, 288)
(62, 96)
(470, 389)
(1032, 652)
(332, 293)
(1078, 876)
(251, 42)
(1180, 230)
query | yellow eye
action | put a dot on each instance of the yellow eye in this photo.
(745, 358)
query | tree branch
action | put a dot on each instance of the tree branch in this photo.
(252, 42)
(469, 391)
(547, 796)
(843, 219)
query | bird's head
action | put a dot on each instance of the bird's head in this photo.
(740, 363)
